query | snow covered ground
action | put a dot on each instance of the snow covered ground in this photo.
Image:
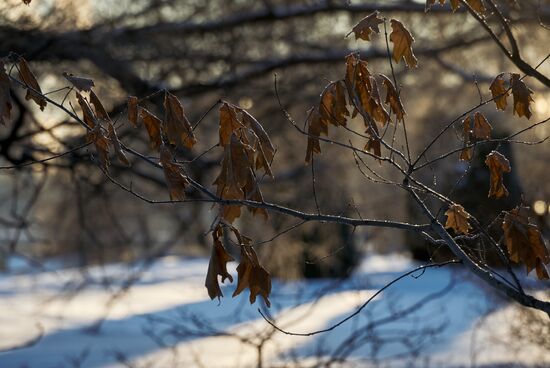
(438, 318)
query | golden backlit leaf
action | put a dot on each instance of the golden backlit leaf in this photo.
(253, 276)
(116, 145)
(522, 96)
(177, 128)
(33, 89)
(100, 111)
(132, 104)
(80, 83)
(498, 165)
(217, 265)
(457, 219)
(367, 25)
(152, 124)
(393, 99)
(525, 242)
(173, 173)
(87, 114)
(5, 99)
(101, 143)
(402, 44)
(499, 92)
(482, 128)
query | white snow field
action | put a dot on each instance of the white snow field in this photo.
(441, 317)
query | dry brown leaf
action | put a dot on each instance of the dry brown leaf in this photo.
(367, 25)
(234, 176)
(457, 219)
(5, 99)
(402, 44)
(177, 128)
(477, 5)
(173, 173)
(132, 104)
(524, 242)
(522, 96)
(467, 152)
(332, 108)
(373, 145)
(33, 89)
(499, 92)
(263, 146)
(100, 111)
(253, 276)
(252, 192)
(80, 83)
(393, 99)
(217, 265)
(229, 122)
(152, 124)
(482, 128)
(498, 165)
(101, 143)
(315, 129)
(87, 114)
(116, 145)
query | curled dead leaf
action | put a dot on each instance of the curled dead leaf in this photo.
(499, 92)
(80, 83)
(177, 128)
(217, 265)
(263, 146)
(33, 89)
(174, 174)
(482, 128)
(524, 242)
(402, 44)
(467, 150)
(132, 105)
(367, 25)
(522, 96)
(498, 165)
(87, 114)
(457, 219)
(100, 111)
(253, 276)
(393, 99)
(152, 124)
(116, 145)
(101, 143)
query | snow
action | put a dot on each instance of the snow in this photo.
(165, 319)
